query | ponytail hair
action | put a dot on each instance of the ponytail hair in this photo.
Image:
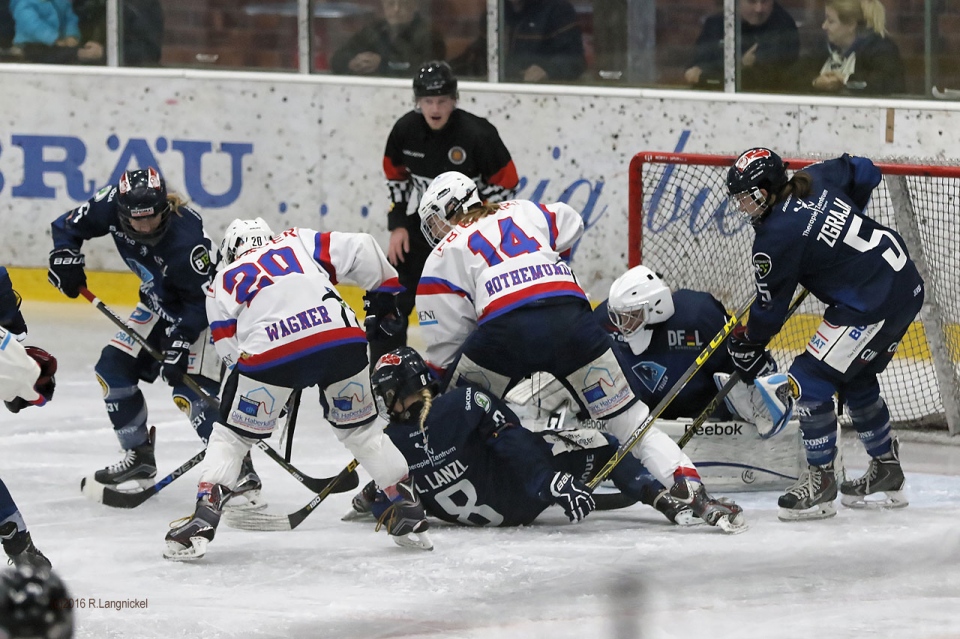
(875, 16)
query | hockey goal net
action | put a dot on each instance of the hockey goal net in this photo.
(680, 226)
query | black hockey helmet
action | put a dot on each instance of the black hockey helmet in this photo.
(755, 169)
(396, 375)
(435, 78)
(34, 603)
(142, 194)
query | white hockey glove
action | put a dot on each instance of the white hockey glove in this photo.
(777, 395)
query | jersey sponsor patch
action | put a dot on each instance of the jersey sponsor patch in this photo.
(457, 155)
(649, 373)
(182, 403)
(762, 264)
(482, 401)
(200, 259)
(102, 193)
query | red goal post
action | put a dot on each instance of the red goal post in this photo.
(680, 226)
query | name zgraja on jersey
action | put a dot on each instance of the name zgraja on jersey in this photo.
(833, 225)
(524, 274)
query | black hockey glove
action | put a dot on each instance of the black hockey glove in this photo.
(66, 271)
(10, 316)
(176, 359)
(383, 318)
(750, 358)
(45, 384)
(570, 493)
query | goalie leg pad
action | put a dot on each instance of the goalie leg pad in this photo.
(776, 394)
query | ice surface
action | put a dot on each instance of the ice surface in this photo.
(618, 574)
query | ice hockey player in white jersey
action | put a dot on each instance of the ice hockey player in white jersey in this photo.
(280, 325)
(26, 379)
(497, 302)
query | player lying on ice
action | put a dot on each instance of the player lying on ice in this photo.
(280, 325)
(503, 304)
(474, 464)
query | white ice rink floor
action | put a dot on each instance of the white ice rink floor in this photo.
(619, 574)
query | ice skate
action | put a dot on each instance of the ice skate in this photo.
(19, 546)
(812, 496)
(246, 495)
(676, 511)
(726, 515)
(189, 541)
(138, 465)
(362, 505)
(405, 519)
(884, 475)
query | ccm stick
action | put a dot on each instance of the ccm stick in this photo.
(121, 499)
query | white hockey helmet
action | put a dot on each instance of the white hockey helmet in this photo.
(449, 193)
(243, 236)
(637, 298)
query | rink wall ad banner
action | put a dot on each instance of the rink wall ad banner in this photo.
(307, 151)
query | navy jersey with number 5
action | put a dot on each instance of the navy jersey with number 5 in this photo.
(825, 243)
(674, 346)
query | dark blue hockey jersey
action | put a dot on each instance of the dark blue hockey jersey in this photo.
(858, 267)
(10, 316)
(173, 274)
(674, 346)
(479, 467)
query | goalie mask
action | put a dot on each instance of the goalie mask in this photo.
(396, 376)
(34, 603)
(755, 171)
(450, 193)
(243, 236)
(141, 197)
(638, 298)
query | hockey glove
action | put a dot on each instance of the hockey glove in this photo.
(751, 358)
(66, 271)
(572, 495)
(45, 384)
(404, 513)
(383, 318)
(176, 359)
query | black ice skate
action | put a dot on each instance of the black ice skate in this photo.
(188, 541)
(812, 496)
(727, 516)
(362, 505)
(138, 464)
(19, 546)
(884, 475)
(406, 520)
(246, 495)
(676, 511)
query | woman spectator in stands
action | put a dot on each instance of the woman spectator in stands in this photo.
(395, 45)
(862, 59)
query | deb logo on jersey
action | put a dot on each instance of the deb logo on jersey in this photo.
(684, 339)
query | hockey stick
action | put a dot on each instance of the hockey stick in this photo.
(641, 430)
(312, 483)
(252, 520)
(294, 409)
(731, 382)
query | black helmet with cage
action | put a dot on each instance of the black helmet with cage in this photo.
(755, 169)
(34, 603)
(397, 375)
(435, 78)
(142, 194)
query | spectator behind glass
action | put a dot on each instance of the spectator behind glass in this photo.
(142, 28)
(394, 46)
(6, 25)
(47, 31)
(769, 40)
(544, 42)
(862, 58)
